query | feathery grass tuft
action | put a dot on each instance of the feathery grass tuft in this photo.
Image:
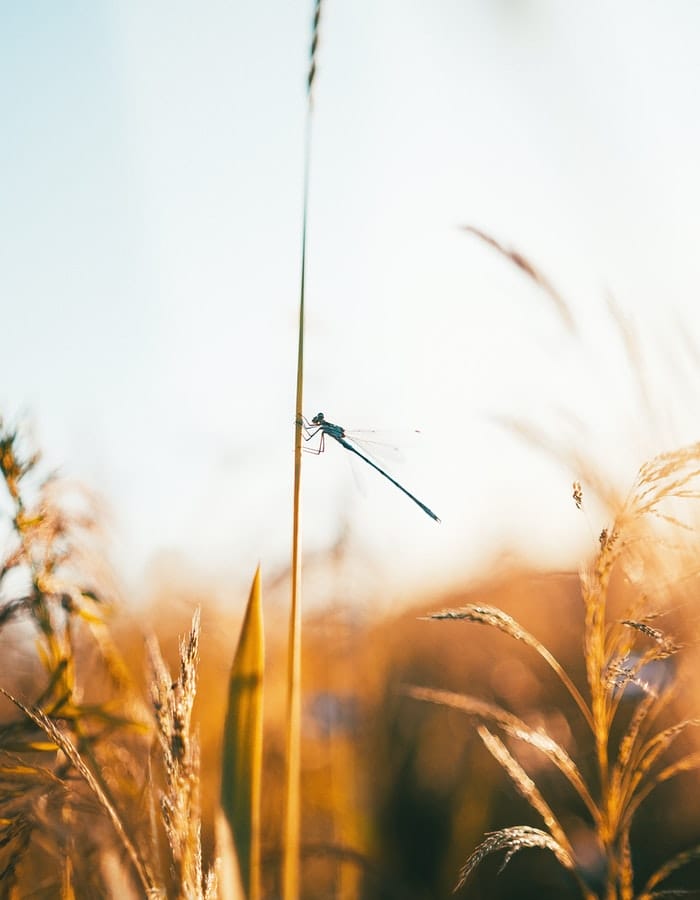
(84, 721)
(63, 743)
(172, 702)
(512, 841)
(625, 696)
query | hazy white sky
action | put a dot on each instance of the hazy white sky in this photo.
(150, 198)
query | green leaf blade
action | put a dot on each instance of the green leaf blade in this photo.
(241, 773)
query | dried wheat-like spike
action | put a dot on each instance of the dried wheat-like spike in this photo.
(515, 727)
(180, 808)
(497, 618)
(629, 670)
(524, 784)
(666, 645)
(624, 764)
(577, 494)
(666, 464)
(654, 747)
(529, 269)
(626, 869)
(668, 868)
(625, 671)
(661, 741)
(688, 763)
(541, 440)
(667, 476)
(173, 702)
(674, 893)
(513, 840)
(68, 748)
(528, 789)
(314, 46)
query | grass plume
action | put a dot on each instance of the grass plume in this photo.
(533, 273)
(173, 700)
(618, 652)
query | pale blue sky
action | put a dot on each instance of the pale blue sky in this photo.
(150, 192)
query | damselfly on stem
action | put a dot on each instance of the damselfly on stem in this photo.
(320, 425)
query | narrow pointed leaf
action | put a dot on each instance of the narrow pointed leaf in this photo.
(242, 746)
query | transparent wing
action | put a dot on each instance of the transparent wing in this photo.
(382, 446)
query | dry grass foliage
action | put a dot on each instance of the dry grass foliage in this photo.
(76, 786)
(58, 767)
(632, 679)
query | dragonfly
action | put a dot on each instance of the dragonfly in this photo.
(320, 425)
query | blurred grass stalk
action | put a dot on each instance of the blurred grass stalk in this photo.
(292, 817)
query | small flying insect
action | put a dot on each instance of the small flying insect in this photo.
(320, 425)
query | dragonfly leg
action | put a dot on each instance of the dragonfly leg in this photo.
(317, 451)
(310, 430)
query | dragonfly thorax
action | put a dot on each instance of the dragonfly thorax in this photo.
(326, 427)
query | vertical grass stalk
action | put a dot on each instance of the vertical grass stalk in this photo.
(292, 818)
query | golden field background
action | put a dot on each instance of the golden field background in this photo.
(396, 796)
(395, 793)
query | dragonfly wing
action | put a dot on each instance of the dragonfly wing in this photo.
(382, 447)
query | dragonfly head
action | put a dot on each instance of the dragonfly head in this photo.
(318, 419)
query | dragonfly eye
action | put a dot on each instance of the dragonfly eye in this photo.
(317, 419)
